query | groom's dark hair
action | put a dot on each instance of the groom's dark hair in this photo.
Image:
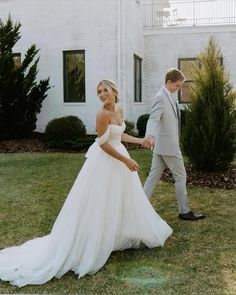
(174, 75)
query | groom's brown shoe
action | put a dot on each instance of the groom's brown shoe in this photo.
(191, 216)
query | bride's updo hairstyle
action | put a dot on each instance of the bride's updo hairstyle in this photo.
(110, 86)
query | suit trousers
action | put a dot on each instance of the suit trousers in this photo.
(176, 165)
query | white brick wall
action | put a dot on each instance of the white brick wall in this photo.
(110, 32)
(163, 47)
(97, 26)
(132, 43)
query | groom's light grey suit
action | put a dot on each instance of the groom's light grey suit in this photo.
(164, 125)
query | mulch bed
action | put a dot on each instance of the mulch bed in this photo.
(23, 145)
(221, 179)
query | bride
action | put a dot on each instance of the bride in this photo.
(106, 210)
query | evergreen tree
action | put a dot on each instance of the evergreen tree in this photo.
(209, 136)
(20, 95)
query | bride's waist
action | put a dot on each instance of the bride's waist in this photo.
(115, 142)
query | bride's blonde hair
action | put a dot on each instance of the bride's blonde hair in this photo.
(110, 85)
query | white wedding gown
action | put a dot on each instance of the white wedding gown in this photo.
(106, 210)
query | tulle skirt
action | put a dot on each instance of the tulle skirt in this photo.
(106, 210)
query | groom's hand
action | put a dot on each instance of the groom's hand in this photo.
(148, 142)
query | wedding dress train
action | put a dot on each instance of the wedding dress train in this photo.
(106, 210)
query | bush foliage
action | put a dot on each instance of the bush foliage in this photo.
(66, 133)
(130, 128)
(141, 124)
(21, 96)
(209, 134)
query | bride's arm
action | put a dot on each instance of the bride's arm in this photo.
(131, 139)
(102, 123)
(128, 138)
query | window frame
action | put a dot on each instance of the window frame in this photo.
(66, 98)
(17, 55)
(189, 80)
(138, 59)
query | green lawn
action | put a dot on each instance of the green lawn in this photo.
(199, 258)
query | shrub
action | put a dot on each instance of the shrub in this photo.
(208, 137)
(130, 128)
(64, 132)
(141, 124)
(21, 96)
(80, 144)
(183, 118)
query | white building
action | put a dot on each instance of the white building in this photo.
(116, 39)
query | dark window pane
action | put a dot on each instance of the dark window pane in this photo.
(185, 91)
(17, 59)
(74, 76)
(186, 65)
(137, 79)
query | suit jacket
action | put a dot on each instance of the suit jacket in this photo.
(163, 124)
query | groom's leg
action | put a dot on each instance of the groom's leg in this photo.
(157, 168)
(176, 165)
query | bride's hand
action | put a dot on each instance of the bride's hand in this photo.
(142, 141)
(132, 165)
(148, 142)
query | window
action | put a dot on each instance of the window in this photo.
(17, 59)
(137, 79)
(186, 66)
(74, 76)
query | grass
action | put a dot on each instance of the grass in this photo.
(199, 258)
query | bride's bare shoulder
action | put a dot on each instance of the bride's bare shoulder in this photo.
(103, 117)
(119, 110)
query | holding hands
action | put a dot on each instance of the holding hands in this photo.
(148, 142)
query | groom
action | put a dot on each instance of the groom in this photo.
(162, 133)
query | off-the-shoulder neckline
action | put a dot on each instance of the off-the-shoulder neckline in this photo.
(117, 124)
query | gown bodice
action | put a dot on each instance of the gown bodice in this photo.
(112, 134)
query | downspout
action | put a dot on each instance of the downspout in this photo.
(121, 53)
(118, 56)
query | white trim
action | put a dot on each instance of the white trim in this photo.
(74, 103)
(138, 103)
(188, 30)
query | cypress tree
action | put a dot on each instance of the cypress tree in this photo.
(21, 96)
(209, 135)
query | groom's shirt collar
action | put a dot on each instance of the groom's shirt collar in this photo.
(174, 100)
(166, 90)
